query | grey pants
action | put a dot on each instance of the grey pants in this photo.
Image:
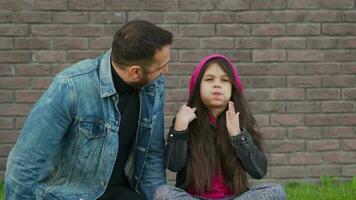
(259, 192)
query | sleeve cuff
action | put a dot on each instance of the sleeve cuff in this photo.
(178, 135)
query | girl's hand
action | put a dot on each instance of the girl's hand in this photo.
(183, 117)
(232, 120)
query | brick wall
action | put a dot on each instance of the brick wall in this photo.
(297, 60)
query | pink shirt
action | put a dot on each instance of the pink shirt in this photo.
(219, 189)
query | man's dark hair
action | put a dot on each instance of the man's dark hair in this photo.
(136, 43)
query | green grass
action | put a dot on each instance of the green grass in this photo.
(330, 188)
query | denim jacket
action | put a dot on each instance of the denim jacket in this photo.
(68, 145)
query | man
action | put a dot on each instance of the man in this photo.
(97, 132)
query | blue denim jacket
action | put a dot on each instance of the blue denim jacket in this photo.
(68, 145)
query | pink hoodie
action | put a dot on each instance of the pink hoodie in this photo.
(200, 65)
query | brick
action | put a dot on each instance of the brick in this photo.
(217, 17)
(161, 5)
(13, 83)
(20, 121)
(288, 43)
(154, 17)
(181, 68)
(349, 16)
(49, 30)
(196, 4)
(176, 95)
(27, 96)
(303, 29)
(348, 170)
(8, 137)
(7, 70)
(268, 55)
(262, 120)
(15, 5)
(217, 43)
(304, 158)
(303, 107)
(268, 4)
(75, 56)
(6, 43)
(338, 132)
(254, 17)
(174, 29)
(32, 17)
(232, 5)
(340, 55)
(289, 16)
(197, 30)
(59, 67)
(288, 94)
(303, 81)
(6, 96)
(101, 43)
(264, 82)
(349, 93)
(322, 68)
(32, 70)
(14, 109)
(181, 17)
(252, 69)
(349, 144)
(193, 55)
(349, 120)
(184, 81)
(40, 83)
(84, 30)
(337, 107)
(2, 165)
(268, 30)
(49, 56)
(70, 43)
(6, 123)
(232, 30)
(339, 157)
(124, 5)
(257, 94)
(304, 55)
(5, 149)
(323, 170)
(324, 16)
(304, 133)
(253, 43)
(288, 69)
(287, 172)
(171, 108)
(340, 4)
(322, 120)
(110, 30)
(269, 133)
(267, 107)
(172, 82)
(277, 159)
(6, 17)
(348, 68)
(339, 81)
(287, 120)
(323, 43)
(108, 17)
(323, 145)
(32, 43)
(347, 43)
(14, 30)
(304, 4)
(49, 4)
(70, 17)
(185, 43)
(86, 4)
(339, 29)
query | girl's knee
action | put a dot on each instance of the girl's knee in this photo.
(279, 191)
(160, 192)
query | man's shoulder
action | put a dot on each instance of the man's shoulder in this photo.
(80, 68)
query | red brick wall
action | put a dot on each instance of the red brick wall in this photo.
(297, 60)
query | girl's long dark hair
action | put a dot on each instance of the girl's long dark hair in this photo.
(210, 150)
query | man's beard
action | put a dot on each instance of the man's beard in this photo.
(143, 82)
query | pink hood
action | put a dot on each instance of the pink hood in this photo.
(199, 67)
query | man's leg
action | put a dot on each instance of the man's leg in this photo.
(122, 193)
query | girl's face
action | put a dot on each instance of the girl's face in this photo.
(215, 89)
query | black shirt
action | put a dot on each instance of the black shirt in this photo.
(129, 107)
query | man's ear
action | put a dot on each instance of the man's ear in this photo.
(135, 72)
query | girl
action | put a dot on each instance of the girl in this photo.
(213, 142)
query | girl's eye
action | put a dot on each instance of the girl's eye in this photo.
(208, 79)
(226, 80)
